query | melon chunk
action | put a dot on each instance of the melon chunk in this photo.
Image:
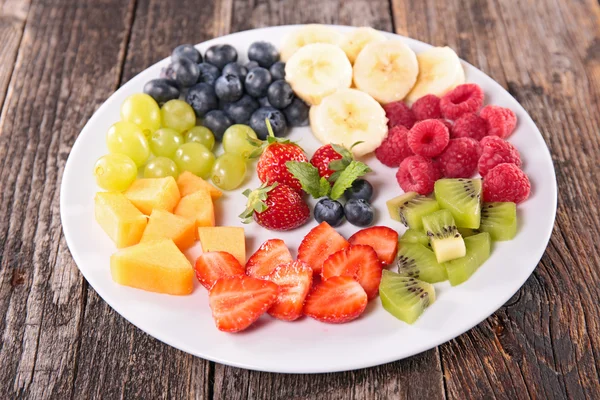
(121, 221)
(198, 207)
(155, 266)
(154, 193)
(189, 183)
(224, 238)
(164, 225)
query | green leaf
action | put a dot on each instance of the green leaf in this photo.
(325, 187)
(342, 151)
(338, 165)
(349, 175)
(334, 177)
(309, 178)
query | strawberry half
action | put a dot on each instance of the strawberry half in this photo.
(214, 265)
(294, 280)
(269, 255)
(321, 242)
(382, 239)
(237, 301)
(359, 262)
(337, 300)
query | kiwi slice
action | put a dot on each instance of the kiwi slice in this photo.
(417, 261)
(466, 232)
(445, 240)
(415, 236)
(478, 250)
(403, 297)
(462, 197)
(410, 208)
(499, 220)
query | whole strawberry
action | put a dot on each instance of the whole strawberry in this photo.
(322, 157)
(277, 207)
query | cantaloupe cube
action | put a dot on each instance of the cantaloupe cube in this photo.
(224, 238)
(164, 225)
(198, 207)
(154, 193)
(121, 221)
(156, 266)
(189, 183)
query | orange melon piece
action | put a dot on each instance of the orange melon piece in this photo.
(154, 193)
(189, 183)
(198, 207)
(164, 225)
(224, 238)
(156, 266)
(121, 221)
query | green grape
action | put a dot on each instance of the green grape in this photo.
(178, 115)
(229, 171)
(127, 138)
(235, 140)
(143, 111)
(165, 142)
(202, 135)
(195, 158)
(115, 172)
(160, 167)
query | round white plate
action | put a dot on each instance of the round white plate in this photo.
(306, 345)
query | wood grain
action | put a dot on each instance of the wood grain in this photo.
(13, 14)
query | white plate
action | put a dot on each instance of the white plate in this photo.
(308, 346)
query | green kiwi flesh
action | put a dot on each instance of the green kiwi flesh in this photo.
(499, 220)
(445, 240)
(403, 297)
(478, 251)
(410, 208)
(462, 197)
(466, 232)
(417, 261)
(415, 236)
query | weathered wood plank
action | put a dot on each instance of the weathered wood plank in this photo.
(13, 14)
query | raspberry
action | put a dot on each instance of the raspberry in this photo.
(506, 182)
(428, 138)
(459, 160)
(447, 124)
(461, 100)
(417, 174)
(501, 121)
(427, 107)
(470, 125)
(496, 151)
(394, 148)
(398, 113)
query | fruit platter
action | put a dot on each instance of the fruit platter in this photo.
(308, 198)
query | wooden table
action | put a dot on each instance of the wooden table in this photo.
(61, 59)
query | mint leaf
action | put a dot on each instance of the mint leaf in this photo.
(338, 165)
(325, 187)
(309, 178)
(345, 179)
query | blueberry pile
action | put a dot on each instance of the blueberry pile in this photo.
(357, 210)
(223, 91)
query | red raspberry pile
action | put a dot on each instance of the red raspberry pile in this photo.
(454, 137)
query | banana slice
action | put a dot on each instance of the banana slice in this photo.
(355, 40)
(317, 70)
(440, 71)
(386, 70)
(308, 34)
(349, 116)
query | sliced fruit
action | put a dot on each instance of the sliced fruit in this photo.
(336, 300)
(386, 70)
(410, 208)
(269, 256)
(466, 232)
(154, 193)
(382, 239)
(446, 242)
(414, 236)
(478, 251)
(237, 301)
(462, 197)
(214, 265)
(419, 262)
(307, 34)
(295, 281)
(121, 221)
(317, 70)
(405, 298)
(355, 40)
(189, 183)
(157, 266)
(349, 116)
(164, 225)
(321, 242)
(499, 220)
(359, 262)
(224, 238)
(198, 207)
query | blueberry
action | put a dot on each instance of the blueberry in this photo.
(229, 88)
(360, 189)
(280, 94)
(162, 90)
(257, 82)
(264, 102)
(220, 55)
(296, 113)
(183, 71)
(186, 51)
(202, 98)
(264, 53)
(236, 69)
(241, 110)
(276, 119)
(330, 211)
(208, 73)
(359, 212)
(250, 65)
(218, 122)
(277, 70)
